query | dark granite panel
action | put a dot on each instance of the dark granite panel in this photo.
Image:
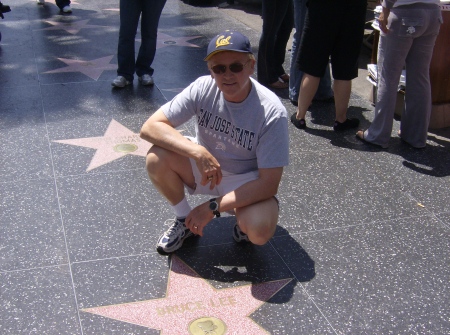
(31, 233)
(320, 190)
(79, 101)
(363, 232)
(38, 301)
(111, 214)
(379, 278)
(24, 152)
(119, 280)
(444, 219)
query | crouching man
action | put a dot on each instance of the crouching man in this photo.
(237, 156)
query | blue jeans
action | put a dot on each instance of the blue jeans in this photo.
(130, 11)
(276, 30)
(324, 91)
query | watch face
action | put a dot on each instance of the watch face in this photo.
(213, 205)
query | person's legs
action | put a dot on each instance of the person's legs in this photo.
(271, 24)
(259, 220)
(151, 13)
(416, 116)
(169, 173)
(308, 89)
(285, 13)
(392, 51)
(129, 19)
(295, 75)
(324, 91)
(342, 91)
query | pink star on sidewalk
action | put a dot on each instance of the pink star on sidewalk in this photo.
(193, 306)
(92, 68)
(165, 40)
(71, 27)
(118, 141)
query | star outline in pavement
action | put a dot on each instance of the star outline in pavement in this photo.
(117, 141)
(91, 68)
(72, 27)
(164, 40)
(187, 310)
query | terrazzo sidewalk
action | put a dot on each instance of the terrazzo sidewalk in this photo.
(362, 245)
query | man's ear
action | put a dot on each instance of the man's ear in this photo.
(252, 66)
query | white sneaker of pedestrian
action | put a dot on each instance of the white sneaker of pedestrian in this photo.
(67, 9)
(146, 80)
(120, 81)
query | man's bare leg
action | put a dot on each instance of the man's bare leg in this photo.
(169, 172)
(258, 220)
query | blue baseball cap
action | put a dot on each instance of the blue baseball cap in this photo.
(228, 41)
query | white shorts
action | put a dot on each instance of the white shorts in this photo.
(230, 182)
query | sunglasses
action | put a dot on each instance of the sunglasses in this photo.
(235, 68)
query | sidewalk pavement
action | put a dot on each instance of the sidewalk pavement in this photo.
(362, 245)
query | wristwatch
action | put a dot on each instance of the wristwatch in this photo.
(214, 206)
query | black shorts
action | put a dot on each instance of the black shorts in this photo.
(332, 30)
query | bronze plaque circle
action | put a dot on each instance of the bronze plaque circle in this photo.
(125, 147)
(207, 326)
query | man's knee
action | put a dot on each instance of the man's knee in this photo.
(259, 221)
(157, 160)
(258, 233)
(261, 236)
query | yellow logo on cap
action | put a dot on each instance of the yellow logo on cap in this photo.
(222, 41)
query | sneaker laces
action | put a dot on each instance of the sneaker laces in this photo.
(174, 226)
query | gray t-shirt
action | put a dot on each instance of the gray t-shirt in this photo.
(242, 136)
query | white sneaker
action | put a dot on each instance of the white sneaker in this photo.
(40, 2)
(120, 81)
(67, 9)
(146, 80)
(173, 238)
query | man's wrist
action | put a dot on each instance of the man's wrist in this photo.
(214, 207)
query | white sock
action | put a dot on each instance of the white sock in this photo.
(182, 209)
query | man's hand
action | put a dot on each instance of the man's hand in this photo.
(210, 169)
(198, 218)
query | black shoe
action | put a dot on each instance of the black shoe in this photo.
(347, 124)
(300, 124)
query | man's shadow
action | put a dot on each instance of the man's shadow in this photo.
(227, 263)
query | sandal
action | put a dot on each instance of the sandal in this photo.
(360, 136)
